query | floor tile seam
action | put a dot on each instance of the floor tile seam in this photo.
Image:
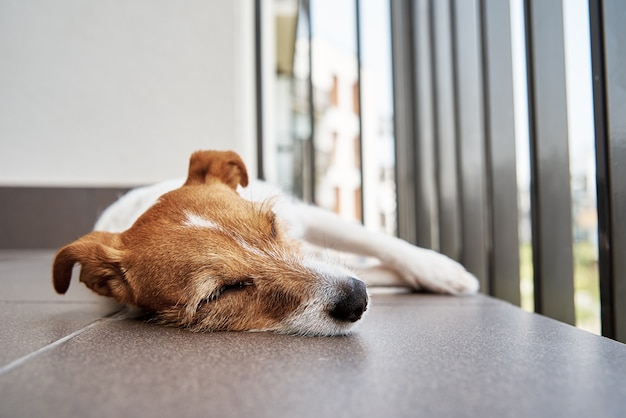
(30, 356)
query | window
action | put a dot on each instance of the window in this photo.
(487, 151)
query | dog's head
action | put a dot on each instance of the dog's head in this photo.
(206, 259)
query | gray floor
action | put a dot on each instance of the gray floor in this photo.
(414, 355)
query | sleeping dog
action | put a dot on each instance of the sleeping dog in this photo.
(208, 253)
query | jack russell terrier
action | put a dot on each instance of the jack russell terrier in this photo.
(207, 257)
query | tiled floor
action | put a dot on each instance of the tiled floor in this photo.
(414, 355)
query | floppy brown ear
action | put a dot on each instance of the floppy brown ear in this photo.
(225, 166)
(100, 259)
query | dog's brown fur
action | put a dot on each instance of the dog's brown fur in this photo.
(238, 272)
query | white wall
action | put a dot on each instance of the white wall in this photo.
(120, 92)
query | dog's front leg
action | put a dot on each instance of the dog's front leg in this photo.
(417, 267)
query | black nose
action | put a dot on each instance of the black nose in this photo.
(352, 301)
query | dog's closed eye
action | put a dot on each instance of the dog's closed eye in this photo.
(236, 286)
(229, 287)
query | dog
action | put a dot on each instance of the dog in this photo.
(215, 255)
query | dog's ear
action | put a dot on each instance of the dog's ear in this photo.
(225, 166)
(100, 257)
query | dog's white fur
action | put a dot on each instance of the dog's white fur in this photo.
(400, 263)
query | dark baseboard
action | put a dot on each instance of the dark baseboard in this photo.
(50, 217)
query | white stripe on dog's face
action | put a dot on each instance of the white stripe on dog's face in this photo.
(198, 221)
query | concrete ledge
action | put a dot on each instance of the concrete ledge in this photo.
(49, 217)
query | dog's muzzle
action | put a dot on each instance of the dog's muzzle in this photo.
(351, 303)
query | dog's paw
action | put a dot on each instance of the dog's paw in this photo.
(429, 270)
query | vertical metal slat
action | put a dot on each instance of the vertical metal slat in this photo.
(551, 197)
(403, 118)
(309, 153)
(258, 70)
(359, 52)
(500, 124)
(608, 60)
(471, 134)
(445, 126)
(426, 204)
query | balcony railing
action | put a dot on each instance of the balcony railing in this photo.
(456, 144)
